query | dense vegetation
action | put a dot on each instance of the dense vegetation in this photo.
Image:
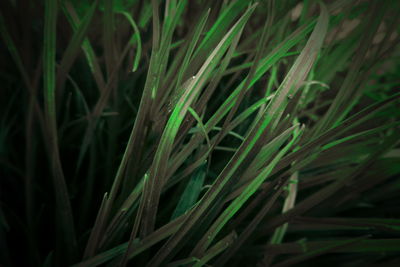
(199, 133)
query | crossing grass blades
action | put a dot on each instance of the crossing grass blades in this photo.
(200, 133)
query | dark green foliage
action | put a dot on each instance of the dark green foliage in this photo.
(199, 133)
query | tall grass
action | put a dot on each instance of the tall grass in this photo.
(200, 133)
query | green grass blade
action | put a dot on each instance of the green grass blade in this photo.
(65, 222)
(135, 37)
(191, 193)
(73, 48)
(87, 48)
(193, 42)
(218, 248)
(279, 233)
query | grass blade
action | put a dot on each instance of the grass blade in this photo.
(63, 207)
(73, 48)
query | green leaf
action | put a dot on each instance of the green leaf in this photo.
(191, 193)
(73, 48)
(68, 243)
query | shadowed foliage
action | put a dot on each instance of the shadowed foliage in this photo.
(199, 133)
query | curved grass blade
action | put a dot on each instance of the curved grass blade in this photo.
(136, 37)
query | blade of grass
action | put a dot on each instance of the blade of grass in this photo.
(93, 241)
(163, 53)
(218, 248)
(191, 193)
(87, 48)
(280, 232)
(67, 244)
(135, 37)
(73, 48)
(193, 41)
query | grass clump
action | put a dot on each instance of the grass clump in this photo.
(200, 133)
